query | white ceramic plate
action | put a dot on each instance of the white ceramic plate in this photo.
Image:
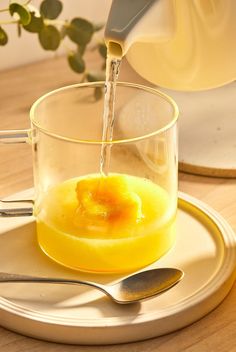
(205, 250)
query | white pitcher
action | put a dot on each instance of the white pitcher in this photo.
(178, 44)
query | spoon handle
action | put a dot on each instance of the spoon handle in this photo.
(8, 278)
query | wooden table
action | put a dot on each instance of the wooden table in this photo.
(19, 88)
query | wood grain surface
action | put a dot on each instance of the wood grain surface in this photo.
(19, 88)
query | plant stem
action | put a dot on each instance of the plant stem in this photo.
(59, 22)
(9, 22)
(83, 78)
(4, 10)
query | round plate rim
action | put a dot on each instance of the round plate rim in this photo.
(228, 268)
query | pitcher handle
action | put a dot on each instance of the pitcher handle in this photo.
(12, 208)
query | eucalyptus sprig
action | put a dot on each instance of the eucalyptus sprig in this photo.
(51, 33)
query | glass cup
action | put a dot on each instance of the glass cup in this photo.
(87, 220)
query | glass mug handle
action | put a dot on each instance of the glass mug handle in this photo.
(11, 208)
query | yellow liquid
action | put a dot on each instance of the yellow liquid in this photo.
(118, 247)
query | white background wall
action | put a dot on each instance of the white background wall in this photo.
(27, 49)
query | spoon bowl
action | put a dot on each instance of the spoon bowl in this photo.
(145, 284)
(134, 288)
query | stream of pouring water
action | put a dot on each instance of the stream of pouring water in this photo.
(112, 72)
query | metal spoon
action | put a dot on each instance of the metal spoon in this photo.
(131, 289)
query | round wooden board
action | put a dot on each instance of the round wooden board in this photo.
(207, 131)
(205, 250)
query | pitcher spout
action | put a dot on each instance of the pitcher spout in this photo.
(130, 21)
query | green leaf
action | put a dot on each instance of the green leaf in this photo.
(102, 50)
(80, 31)
(49, 37)
(98, 93)
(35, 25)
(51, 8)
(22, 12)
(95, 76)
(3, 37)
(76, 62)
